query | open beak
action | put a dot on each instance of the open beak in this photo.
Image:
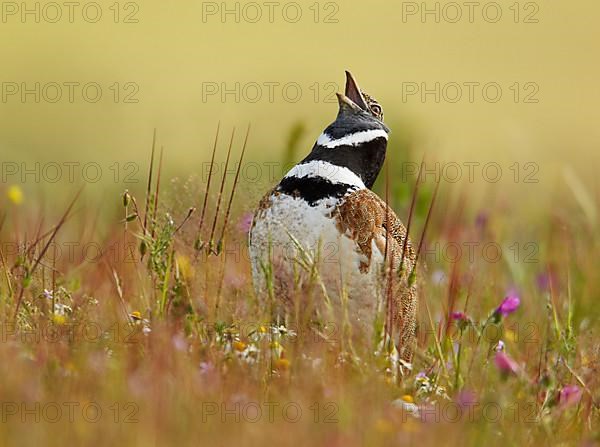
(353, 92)
(346, 104)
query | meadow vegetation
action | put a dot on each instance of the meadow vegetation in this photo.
(134, 321)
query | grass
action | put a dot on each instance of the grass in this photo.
(160, 340)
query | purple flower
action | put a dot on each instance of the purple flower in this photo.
(569, 395)
(458, 316)
(508, 305)
(206, 367)
(505, 364)
(245, 222)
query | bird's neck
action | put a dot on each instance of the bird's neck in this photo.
(362, 153)
(337, 165)
(317, 180)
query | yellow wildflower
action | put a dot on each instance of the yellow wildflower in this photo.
(59, 319)
(239, 346)
(15, 194)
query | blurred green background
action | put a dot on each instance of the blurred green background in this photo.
(176, 51)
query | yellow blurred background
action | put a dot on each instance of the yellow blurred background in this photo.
(158, 67)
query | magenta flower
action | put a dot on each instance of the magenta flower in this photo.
(245, 222)
(569, 395)
(458, 316)
(505, 364)
(508, 305)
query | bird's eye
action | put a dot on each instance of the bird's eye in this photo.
(376, 109)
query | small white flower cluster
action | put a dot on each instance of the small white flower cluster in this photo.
(137, 320)
(60, 309)
(249, 355)
(282, 332)
(426, 387)
(249, 351)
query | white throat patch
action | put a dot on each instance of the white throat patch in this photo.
(333, 173)
(352, 139)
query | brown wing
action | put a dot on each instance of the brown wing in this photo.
(364, 217)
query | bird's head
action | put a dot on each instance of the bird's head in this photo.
(357, 139)
(360, 98)
(358, 111)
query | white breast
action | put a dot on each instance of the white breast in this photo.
(290, 233)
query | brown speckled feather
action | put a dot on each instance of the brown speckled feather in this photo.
(362, 216)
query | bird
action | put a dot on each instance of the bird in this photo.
(323, 229)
